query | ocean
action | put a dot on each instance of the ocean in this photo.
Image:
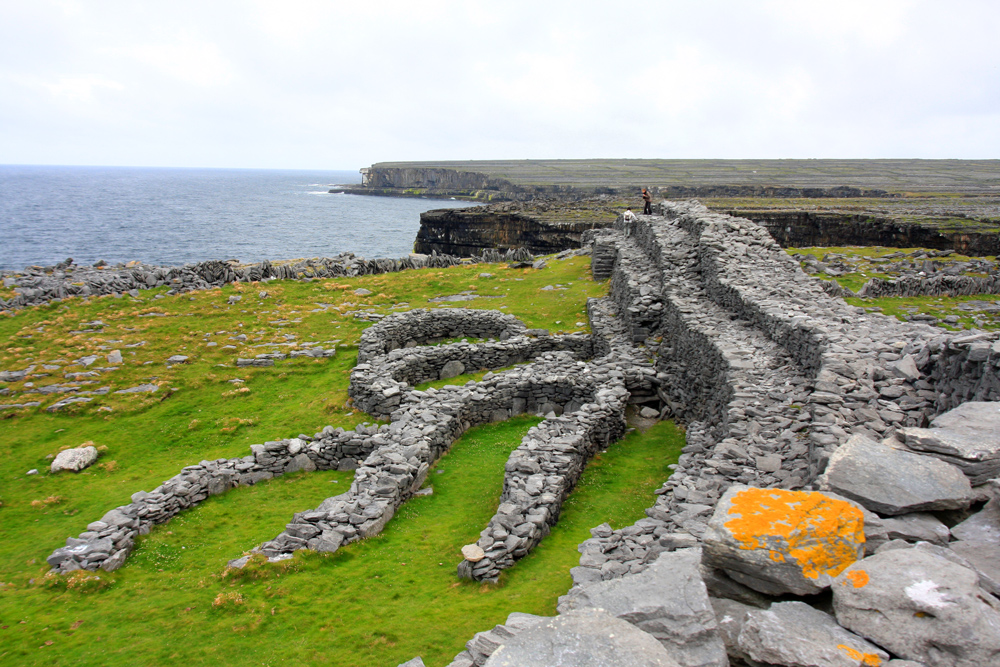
(171, 217)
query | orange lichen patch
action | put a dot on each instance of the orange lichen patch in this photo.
(821, 534)
(857, 577)
(867, 659)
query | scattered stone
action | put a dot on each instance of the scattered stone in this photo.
(33, 471)
(177, 359)
(777, 541)
(920, 607)
(894, 481)
(115, 357)
(415, 662)
(793, 633)
(75, 459)
(361, 291)
(234, 299)
(586, 638)
(66, 402)
(241, 363)
(649, 413)
(150, 388)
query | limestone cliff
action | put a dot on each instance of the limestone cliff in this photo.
(830, 228)
(469, 231)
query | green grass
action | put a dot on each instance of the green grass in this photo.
(357, 607)
(377, 602)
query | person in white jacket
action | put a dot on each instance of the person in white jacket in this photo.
(629, 220)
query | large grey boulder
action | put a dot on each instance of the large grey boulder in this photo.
(894, 481)
(75, 459)
(668, 600)
(920, 607)
(797, 635)
(585, 638)
(777, 541)
(967, 437)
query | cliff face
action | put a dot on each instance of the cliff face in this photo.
(443, 182)
(443, 179)
(466, 232)
(804, 229)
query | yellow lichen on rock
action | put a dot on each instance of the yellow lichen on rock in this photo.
(866, 659)
(819, 533)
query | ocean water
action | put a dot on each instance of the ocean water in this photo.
(176, 216)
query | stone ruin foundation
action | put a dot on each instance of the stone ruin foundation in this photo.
(829, 452)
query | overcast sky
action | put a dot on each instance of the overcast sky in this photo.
(314, 84)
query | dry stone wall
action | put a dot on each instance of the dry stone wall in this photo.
(775, 379)
(40, 284)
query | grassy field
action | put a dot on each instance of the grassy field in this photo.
(377, 602)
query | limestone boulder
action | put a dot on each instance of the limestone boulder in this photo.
(920, 607)
(585, 638)
(668, 600)
(967, 437)
(75, 459)
(777, 541)
(894, 481)
(793, 633)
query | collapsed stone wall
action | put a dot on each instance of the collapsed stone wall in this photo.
(930, 286)
(37, 285)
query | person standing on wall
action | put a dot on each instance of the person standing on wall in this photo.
(647, 208)
(629, 221)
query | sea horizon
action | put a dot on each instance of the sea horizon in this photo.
(171, 216)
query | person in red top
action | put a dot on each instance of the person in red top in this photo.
(647, 209)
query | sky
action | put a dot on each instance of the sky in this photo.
(312, 84)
